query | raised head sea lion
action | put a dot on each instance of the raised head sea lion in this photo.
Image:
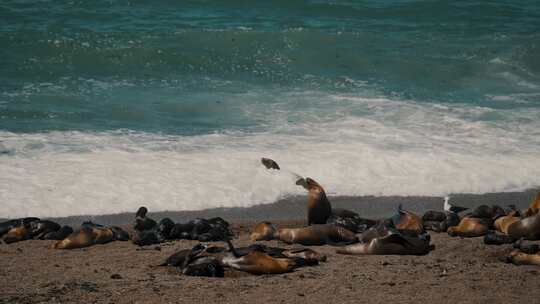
(393, 243)
(142, 222)
(319, 208)
(407, 221)
(469, 227)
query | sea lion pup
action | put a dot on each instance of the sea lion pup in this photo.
(42, 227)
(517, 257)
(534, 206)
(319, 208)
(493, 238)
(308, 236)
(391, 244)
(407, 221)
(528, 228)
(469, 227)
(257, 262)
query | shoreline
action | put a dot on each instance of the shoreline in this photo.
(293, 208)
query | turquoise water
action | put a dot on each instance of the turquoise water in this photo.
(370, 97)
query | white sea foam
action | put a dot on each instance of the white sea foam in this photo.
(370, 147)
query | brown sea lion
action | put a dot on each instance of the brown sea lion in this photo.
(528, 228)
(269, 163)
(319, 208)
(517, 257)
(391, 244)
(308, 236)
(534, 207)
(85, 237)
(257, 262)
(502, 223)
(469, 227)
(18, 233)
(264, 231)
(407, 221)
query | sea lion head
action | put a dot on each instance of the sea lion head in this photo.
(141, 212)
(264, 231)
(313, 185)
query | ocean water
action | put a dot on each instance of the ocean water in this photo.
(108, 105)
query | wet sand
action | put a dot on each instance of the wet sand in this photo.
(457, 271)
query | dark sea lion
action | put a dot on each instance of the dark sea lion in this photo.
(470, 227)
(391, 244)
(164, 227)
(350, 220)
(482, 211)
(528, 228)
(407, 221)
(42, 227)
(319, 208)
(493, 238)
(526, 247)
(61, 234)
(204, 267)
(435, 216)
(119, 234)
(534, 207)
(142, 222)
(269, 163)
(146, 237)
(517, 257)
(181, 231)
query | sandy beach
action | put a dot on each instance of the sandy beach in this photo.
(457, 271)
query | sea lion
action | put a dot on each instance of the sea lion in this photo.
(407, 221)
(502, 223)
(319, 208)
(391, 244)
(142, 222)
(528, 228)
(493, 238)
(308, 236)
(18, 233)
(164, 227)
(264, 231)
(257, 262)
(469, 227)
(10, 224)
(87, 236)
(434, 216)
(534, 206)
(61, 234)
(42, 227)
(350, 220)
(517, 257)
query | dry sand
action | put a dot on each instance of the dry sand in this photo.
(457, 271)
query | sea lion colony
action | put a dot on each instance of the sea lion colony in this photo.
(405, 233)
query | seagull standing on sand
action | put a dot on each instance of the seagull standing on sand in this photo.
(451, 208)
